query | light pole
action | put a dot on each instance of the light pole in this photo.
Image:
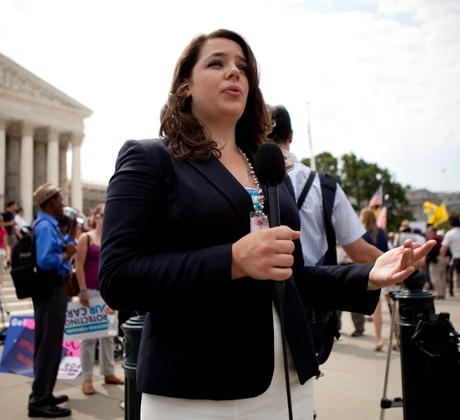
(310, 142)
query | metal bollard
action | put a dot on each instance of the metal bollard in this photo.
(132, 329)
(414, 301)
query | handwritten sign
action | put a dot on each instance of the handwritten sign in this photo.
(72, 348)
(69, 368)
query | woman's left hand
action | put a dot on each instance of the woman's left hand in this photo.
(394, 266)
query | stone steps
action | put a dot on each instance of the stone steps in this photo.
(10, 305)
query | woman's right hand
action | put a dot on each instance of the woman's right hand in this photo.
(265, 254)
(84, 297)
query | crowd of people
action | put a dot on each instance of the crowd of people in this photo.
(184, 236)
(64, 242)
(12, 221)
(442, 266)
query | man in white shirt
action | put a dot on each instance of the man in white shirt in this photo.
(347, 226)
(452, 241)
(19, 219)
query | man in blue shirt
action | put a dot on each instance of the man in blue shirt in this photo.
(53, 253)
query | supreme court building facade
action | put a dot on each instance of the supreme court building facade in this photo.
(39, 125)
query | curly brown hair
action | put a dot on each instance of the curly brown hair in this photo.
(185, 136)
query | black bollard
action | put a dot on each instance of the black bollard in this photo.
(132, 329)
(413, 303)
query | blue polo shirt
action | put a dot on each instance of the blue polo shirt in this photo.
(49, 245)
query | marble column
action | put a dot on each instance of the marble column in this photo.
(39, 163)
(27, 174)
(2, 164)
(52, 158)
(76, 188)
(63, 179)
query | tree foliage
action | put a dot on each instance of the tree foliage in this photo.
(325, 163)
(360, 180)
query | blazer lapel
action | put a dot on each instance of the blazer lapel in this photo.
(221, 179)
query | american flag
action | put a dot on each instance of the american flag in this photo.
(382, 218)
(377, 198)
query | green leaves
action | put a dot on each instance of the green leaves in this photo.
(360, 179)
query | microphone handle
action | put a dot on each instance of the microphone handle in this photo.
(278, 288)
(275, 220)
(273, 206)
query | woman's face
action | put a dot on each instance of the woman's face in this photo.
(219, 85)
(99, 217)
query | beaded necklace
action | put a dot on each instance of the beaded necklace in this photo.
(256, 193)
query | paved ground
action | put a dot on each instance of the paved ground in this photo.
(350, 389)
(352, 386)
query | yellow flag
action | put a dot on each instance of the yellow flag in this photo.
(439, 213)
(429, 207)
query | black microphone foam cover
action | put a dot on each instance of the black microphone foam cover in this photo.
(269, 165)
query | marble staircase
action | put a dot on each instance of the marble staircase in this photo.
(10, 305)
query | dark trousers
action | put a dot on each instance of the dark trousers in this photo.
(358, 320)
(49, 313)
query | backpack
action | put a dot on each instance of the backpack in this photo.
(324, 322)
(23, 264)
(434, 349)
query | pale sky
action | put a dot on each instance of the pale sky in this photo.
(382, 78)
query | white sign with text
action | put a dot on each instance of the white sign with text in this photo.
(89, 322)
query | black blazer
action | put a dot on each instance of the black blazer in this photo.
(168, 230)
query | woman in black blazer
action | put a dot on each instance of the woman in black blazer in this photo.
(177, 244)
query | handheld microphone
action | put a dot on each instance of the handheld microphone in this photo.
(270, 171)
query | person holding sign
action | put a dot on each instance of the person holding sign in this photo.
(87, 268)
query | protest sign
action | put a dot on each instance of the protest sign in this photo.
(72, 348)
(17, 325)
(18, 351)
(69, 368)
(20, 358)
(89, 322)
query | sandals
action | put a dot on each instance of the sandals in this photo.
(113, 380)
(378, 345)
(88, 388)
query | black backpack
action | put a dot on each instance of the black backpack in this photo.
(434, 349)
(23, 264)
(323, 321)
